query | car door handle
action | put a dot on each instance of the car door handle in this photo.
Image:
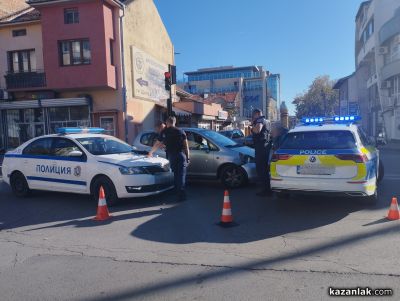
(25, 161)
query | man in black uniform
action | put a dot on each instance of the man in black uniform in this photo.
(175, 142)
(261, 137)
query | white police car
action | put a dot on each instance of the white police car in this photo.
(80, 161)
(327, 155)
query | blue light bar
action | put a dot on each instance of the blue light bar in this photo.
(66, 131)
(336, 119)
(313, 120)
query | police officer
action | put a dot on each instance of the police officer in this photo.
(262, 145)
(175, 142)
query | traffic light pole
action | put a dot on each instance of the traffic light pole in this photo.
(169, 104)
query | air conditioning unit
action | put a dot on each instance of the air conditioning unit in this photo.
(386, 85)
(383, 50)
(3, 94)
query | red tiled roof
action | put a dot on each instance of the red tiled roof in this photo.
(25, 15)
(8, 7)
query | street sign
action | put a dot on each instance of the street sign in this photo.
(148, 76)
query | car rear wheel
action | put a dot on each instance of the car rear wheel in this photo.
(109, 190)
(233, 176)
(19, 185)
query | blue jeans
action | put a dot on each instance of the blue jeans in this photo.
(178, 165)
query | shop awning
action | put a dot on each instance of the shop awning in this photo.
(43, 103)
(180, 112)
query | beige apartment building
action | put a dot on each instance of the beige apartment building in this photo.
(373, 90)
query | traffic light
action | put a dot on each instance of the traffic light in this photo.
(167, 76)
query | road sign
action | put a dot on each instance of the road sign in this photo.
(148, 76)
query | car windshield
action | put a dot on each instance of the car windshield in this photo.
(319, 140)
(219, 139)
(105, 145)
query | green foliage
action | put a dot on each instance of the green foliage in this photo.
(319, 100)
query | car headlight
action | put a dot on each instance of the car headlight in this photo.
(246, 158)
(132, 170)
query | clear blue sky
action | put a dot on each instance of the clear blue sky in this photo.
(300, 39)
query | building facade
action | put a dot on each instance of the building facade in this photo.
(82, 63)
(252, 86)
(374, 87)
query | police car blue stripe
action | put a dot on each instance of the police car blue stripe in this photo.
(111, 163)
(82, 183)
(54, 158)
(316, 151)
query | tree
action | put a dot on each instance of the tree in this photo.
(319, 100)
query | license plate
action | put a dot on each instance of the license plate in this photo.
(315, 170)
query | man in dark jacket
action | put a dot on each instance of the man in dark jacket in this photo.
(176, 146)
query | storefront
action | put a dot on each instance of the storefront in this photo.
(24, 120)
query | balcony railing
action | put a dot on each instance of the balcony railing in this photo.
(24, 80)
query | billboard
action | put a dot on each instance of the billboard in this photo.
(148, 76)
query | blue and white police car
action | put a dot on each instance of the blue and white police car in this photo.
(327, 155)
(80, 161)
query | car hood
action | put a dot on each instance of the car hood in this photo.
(244, 150)
(131, 160)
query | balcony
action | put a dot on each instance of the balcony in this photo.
(391, 69)
(25, 80)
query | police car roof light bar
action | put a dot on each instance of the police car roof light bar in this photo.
(336, 119)
(66, 131)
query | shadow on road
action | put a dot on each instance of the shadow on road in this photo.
(262, 264)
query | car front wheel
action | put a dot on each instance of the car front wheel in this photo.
(19, 185)
(109, 190)
(233, 176)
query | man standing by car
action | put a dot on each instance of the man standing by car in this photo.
(176, 144)
(262, 145)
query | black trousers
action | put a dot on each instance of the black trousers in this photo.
(262, 151)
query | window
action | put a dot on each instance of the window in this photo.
(105, 145)
(319, 140)
(112, 52)
(19, 32)
(71, 16)
(63, 147)
(108, 124)
(75, 52)
(39, 147)
(21, 61)
(148, 139)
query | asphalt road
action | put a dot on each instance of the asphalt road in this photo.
(154, 248)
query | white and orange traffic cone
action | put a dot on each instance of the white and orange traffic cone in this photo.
(102, 210)
(226, 217)
(393, 213)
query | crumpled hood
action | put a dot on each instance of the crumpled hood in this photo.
(132, 160)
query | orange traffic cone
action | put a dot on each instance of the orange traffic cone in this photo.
(102, 210)
(227, 218)
(393, 213)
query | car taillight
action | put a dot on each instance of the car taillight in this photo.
(279, 157)
(358, 158)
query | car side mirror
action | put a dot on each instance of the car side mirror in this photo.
(75, 153)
